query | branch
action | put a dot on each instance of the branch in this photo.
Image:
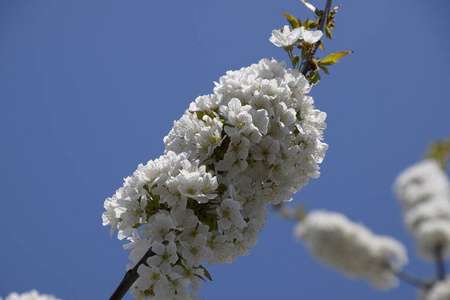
(411, 279)
(440, 266)
(322, 24)
(130, 277)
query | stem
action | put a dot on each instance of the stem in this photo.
(291, 58)
(130, 277)
(323, 22)
(440, 266)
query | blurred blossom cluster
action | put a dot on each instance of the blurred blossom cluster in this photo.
(352, 248)
(424, 193)
(439, 291)
(32, 295)
(255, 141)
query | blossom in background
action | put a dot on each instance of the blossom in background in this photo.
(352, 248)
(255, 141)
(32, 295)
(424, 193)
(286, 37)
(439, 291)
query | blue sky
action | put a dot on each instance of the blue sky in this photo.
(88, 90)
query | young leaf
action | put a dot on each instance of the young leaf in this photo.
(292, 20)
(321, 46)
(310, 6)
(332, 58)
(206, 273)
(325, 70)
(315, 79)
(334, 10)
(309, 24)
(200, 277)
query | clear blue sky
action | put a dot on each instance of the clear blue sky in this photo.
(88, 90)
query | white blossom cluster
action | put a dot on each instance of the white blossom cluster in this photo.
(286, 37)
(439, 291)
(351, 248)
(32, 295)
(424, 193)
(254, 142)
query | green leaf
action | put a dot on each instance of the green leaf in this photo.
(440, 151)
(321, 46)
(332, 59)
(328, 63)
(315, 79)
(200, 277)
(206, 273)
(199, 114)
(309, 24)
(325, 70)
(293, 21)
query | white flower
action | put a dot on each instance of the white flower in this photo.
(424, 193)
(139, 247)
(184, 218)
(160, 228)
(267, 150)
(195, 251)
(432, 234)
(285, 37)
(229, 213)
(434, 209)
(351, 248)
(175, 285)
(311, 37)
(421, 181)
(193, 274)
(148, 275)
(32, 295)
(165, 256)
(109, 216)
(260, 120)
(439, 291)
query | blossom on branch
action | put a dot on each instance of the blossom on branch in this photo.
(352, 248)
(424, 193)
(255, 141)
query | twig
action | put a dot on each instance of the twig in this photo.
(322, 24)
(130, 277)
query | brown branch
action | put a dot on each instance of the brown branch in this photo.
(413, 280)
(130, 277)
(410, 278)
(323, 22)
